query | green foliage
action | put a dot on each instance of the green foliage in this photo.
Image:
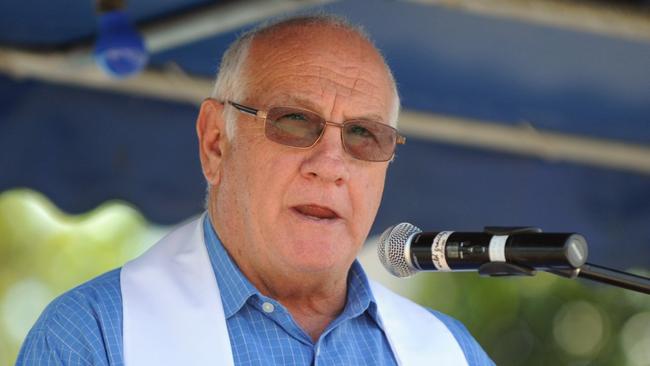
(546, 320)
(44, 252)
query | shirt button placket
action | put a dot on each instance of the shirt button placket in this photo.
(268, 307)
(317, 353)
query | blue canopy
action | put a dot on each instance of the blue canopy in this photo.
(82, 146)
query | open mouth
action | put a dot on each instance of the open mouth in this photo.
(316, 212)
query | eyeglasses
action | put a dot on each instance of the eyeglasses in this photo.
(295, 127)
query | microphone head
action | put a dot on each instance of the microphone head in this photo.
(393, 249)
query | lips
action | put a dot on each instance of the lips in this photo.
(316, 212)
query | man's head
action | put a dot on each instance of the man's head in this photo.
(232, 82)
(281, 210)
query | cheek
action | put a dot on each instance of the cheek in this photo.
(242, 170)
(368, 197)
(267, 173)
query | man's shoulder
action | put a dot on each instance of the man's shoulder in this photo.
(84, 324)
(473, 352)
(100, 296)
(471, 348)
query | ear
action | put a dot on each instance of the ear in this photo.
(210, 128)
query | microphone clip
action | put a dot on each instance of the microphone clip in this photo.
(500, 269)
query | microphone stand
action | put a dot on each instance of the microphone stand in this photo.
(609, 276)
(590, 271)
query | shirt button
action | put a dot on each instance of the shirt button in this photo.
(268, 307)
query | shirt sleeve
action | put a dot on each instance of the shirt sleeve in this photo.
(474, 353)
(43, 347)
(37, 351)
(80, 327)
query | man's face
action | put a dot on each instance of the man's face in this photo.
(303, 210)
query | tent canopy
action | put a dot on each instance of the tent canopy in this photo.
(510, 121)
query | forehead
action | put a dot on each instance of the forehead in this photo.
(319, 64)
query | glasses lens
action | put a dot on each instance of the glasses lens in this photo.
(293, 127)
(367, 140)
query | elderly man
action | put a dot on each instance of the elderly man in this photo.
(294, 145)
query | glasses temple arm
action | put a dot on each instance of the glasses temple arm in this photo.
(244, 108)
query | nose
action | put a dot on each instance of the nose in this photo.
(327, 161)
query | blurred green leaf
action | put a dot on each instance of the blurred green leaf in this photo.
(44, 252)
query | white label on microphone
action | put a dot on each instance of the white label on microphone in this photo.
(497, 248)
(438, 253)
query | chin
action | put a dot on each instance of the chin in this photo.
(319, 256)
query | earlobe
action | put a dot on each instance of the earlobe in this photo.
(210, 129)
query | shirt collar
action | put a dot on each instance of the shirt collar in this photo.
(359, 297)
(236, 289)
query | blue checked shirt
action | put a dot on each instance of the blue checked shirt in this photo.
(84, 325)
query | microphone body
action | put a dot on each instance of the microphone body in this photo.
(404, 250)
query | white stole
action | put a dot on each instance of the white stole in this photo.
(173, 315)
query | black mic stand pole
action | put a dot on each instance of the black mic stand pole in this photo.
(609, 276)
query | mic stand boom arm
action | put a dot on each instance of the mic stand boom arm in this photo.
(609, 276)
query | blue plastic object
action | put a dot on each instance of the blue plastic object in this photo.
(120, 50)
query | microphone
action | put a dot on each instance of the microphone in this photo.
(404, 250)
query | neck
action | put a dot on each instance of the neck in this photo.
(314, 299)
(312, 308)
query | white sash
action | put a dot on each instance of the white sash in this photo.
(173, 313)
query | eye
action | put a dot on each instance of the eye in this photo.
(360, 131)
(361, 134)
(297, 124)
(294, 117)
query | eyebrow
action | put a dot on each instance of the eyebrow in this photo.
(312, 106)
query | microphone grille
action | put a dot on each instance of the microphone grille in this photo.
(391, 249)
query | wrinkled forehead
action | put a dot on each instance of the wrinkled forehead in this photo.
(316, 60)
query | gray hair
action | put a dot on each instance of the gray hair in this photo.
(231, 82)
